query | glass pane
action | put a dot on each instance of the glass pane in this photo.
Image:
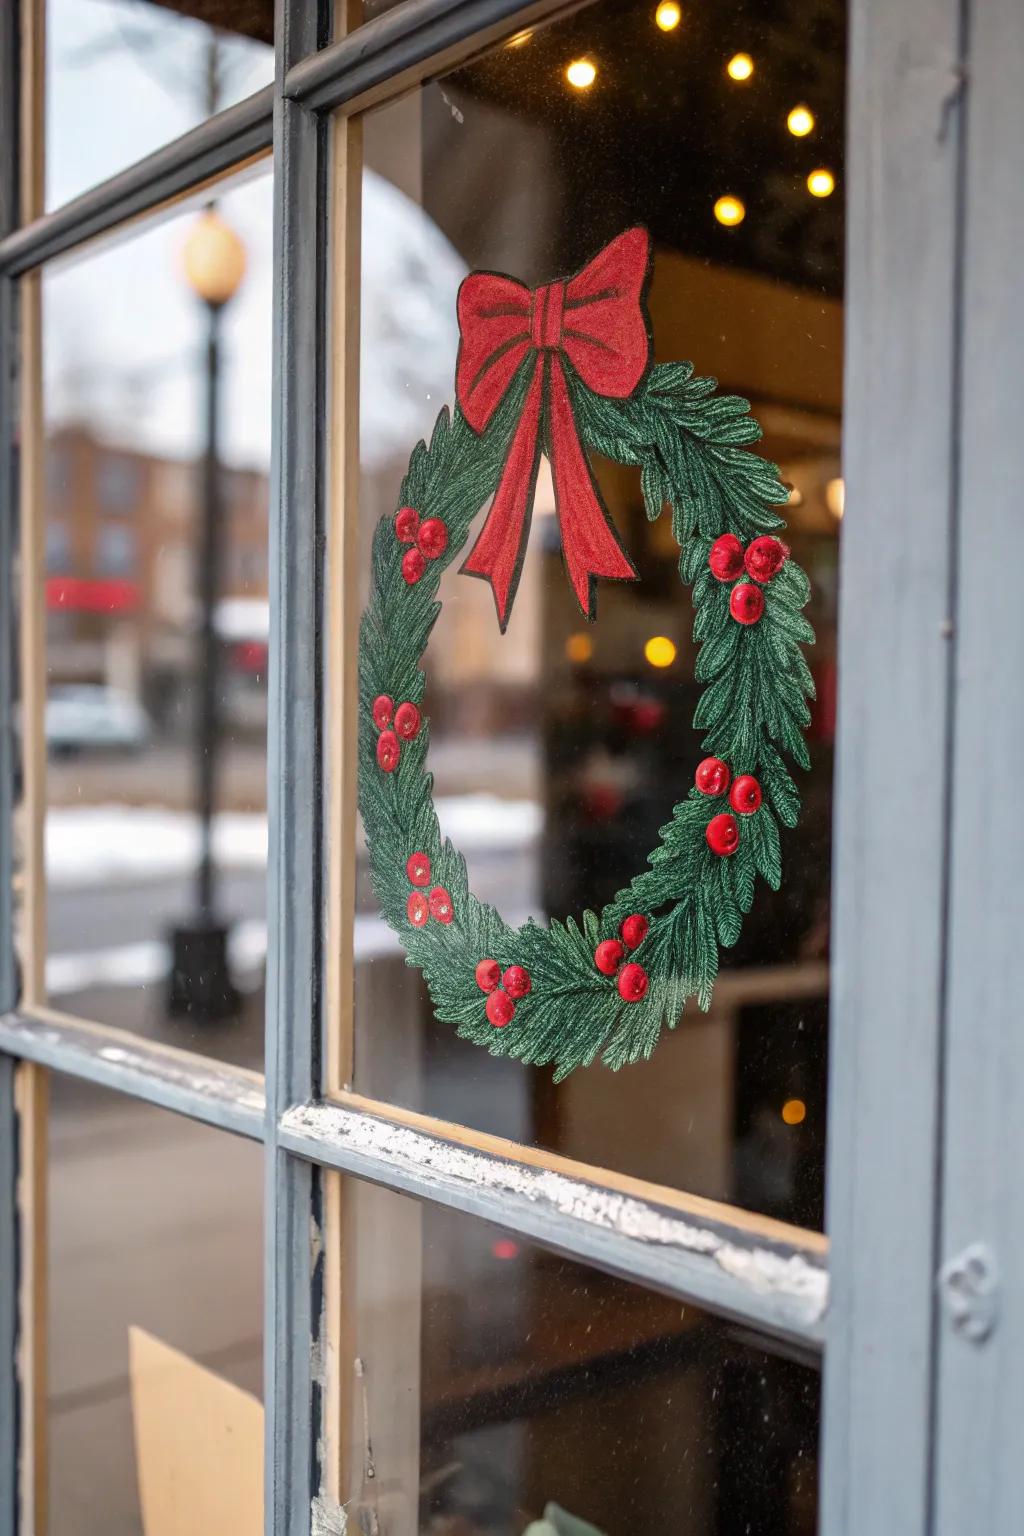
(495, 1381)
(157, 624)
(155, 1318)
(559, 749)
(124, 77)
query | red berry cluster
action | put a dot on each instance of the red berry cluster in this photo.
(631, 979)
(395, 726)
(762, 559)
(713, 778)
(502, 990)
(429, 540)
(420, 908)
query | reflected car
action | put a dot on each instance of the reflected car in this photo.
(89, 717)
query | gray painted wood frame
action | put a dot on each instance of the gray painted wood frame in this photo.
(9, 1233)
(979, 1450)
(890, 841)
(292, 1271)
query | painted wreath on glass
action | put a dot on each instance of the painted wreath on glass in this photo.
(560, 370)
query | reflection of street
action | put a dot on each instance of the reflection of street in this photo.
(186, 1265)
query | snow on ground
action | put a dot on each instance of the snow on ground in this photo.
(95, 845)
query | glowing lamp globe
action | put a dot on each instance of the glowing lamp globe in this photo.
(214, 260)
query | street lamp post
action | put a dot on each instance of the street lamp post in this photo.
(200, 983)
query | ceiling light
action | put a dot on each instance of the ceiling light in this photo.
(740, 67)
(581, 74)
(821, 183)
(668, 15)
(660, 651)
(835, 497)
(800, 122)
(579, 648)
(730, 211)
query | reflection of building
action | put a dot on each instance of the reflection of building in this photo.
(121, 534)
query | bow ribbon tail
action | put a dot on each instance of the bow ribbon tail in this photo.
(498, 553)
(590, 545)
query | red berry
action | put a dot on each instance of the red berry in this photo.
(725, 557)
(516, 981)
(407, 721)
(388, 751)
(608, 956)
(499, 1009)
(745, 795)
(441, 904)
(634, 929)
(765, 557)
(488, 974)
(383, 709)
(413, 566)
(417, 867)
(632, 982)
(433, 538)
(746, 603)
(407, 525)
(416, 909)
(723, 834)
(712, 777)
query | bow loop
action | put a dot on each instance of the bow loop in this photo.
(494, 325)
(596, 322)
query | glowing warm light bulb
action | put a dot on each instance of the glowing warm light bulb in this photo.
(729, 211)
(581, 74)
(519, 39)
(579, 648)
(660, 651)
(668, 15)
(794, 1112)
(800, 122)
(835, 497)
(821, 183)
(740, 67)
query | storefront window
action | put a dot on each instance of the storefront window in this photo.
(559, 749)
(126, 416)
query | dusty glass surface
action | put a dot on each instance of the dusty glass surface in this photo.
(496, 1381)
(132, 630)
(155, 1315)
(124, 77)
(559, 749)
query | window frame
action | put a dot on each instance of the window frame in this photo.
(915, 197)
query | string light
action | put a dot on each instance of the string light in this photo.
(668, 15)
(581, 74)
(660, 651)
(794, 1112)
(800, 122)
(740, 67)
(821, 183)
(730, 211)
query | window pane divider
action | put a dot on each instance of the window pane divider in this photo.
(228, 1097)
(387, 55)
(735, 1263)
(224, 142)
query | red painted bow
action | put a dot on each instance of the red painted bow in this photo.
(594, 320)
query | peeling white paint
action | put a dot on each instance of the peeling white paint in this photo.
(327, 1517)
(759, 1268)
